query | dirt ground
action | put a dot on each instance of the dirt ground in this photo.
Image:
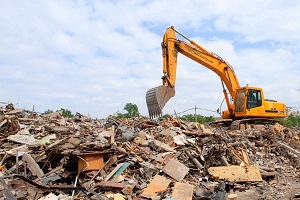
(285, 186)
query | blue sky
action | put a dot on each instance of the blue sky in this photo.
(93, 57)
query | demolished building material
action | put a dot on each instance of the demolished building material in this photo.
(137, 158)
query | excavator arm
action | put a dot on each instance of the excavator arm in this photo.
(157, 97)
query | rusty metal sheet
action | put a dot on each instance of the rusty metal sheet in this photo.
(90, 162)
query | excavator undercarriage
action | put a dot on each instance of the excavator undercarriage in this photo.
(241, 124)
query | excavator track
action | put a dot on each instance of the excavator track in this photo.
(235, 125)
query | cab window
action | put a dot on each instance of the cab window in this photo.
(254, 99)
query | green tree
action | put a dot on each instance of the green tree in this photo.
(132, 111)
(291, 121)
(48, 111)
(66, 112)
(188, 117)
(165, 116)
(201, 119)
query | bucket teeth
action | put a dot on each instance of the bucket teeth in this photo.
(152, 103)
(156, 99)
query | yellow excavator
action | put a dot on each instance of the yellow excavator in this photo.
(244, 102)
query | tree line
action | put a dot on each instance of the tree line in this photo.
(291, 121)
(131, 110)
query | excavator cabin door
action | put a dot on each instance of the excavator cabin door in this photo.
(240, 100)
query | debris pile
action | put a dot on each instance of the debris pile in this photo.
(52, 157)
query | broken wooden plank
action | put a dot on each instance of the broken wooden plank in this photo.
(176, 170)
(245, 156)
(113, 134)
(183, 191)
(32, 165)
(158, 184)
(164, 146)
(236, 173)
(111, 184)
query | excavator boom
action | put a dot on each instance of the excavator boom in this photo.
(156, 98)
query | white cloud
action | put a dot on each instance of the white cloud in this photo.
(96, 56)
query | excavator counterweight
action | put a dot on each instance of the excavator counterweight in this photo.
(156, 99)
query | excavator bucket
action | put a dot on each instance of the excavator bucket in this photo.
(156, 99)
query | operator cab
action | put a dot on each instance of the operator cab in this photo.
(247, 98)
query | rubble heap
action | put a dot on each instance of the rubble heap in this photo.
(52, 157)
